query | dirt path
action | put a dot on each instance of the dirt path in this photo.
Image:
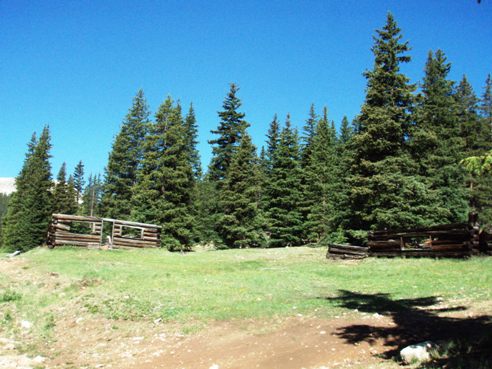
(293, 343)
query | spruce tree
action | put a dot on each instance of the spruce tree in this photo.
(11, 233)
(165, 182)
(28, 216)
(321, 183)
(239, 224)
(438, 143)
(64, 201)
(92, 196)
(308, 136)
(283, 215)
(79, 180)
(384, 192)
(192, 141)
(124, 160)
(486, 103)
(230, 130)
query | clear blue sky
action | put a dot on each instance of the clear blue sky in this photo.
(76, 65)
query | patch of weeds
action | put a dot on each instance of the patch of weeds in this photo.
(10, 295)
(7, 318)
(127, 308)
(49, 323)
(89, 281)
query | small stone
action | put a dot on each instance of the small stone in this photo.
(322, 332)
(214, 366)
(39, 359)
(25, 324)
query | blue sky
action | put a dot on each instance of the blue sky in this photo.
(76, 65)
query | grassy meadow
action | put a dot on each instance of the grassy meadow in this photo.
(189, 291)
(229, 284)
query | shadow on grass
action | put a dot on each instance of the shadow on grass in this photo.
(466, 341)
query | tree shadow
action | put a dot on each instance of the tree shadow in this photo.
(466, 341)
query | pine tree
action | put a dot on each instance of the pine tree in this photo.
(27, 219)
(308, 136)
(384, 192)
(192, 141)
(239, 224)
(165, 182)
(346, 131)
(283, 215)
(78, 180)
(321, 183)
(486, 103)
(438, 145)
(230, 131)
(273, 140)
(92, 196)
(4, 202)
(63, 200)
(124, 160)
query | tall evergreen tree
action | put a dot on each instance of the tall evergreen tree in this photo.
(165, 182)
(383, 189)
(192, 140)
(64, 201)
(124, 160)
(4, 202)
(346, 131)
(239, 225)
(27, 219)
(273, 140)
(283, 215)
(230, 131)
(308, 136)
(92, 196)
(79, 180)
(438, 142)
(321, 183)
(475, 133)
(486, 103)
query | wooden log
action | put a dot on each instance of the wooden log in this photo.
(348, 247)
(337, 250)
(73, 243)
(85, 239)
(127, 241)
(61, 226)
(450, 247)
(65, 217)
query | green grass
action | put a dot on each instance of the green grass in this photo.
(235, 284)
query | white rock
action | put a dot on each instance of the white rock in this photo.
(39, 359)
(214, 366)
(25, 324)
(418, 353)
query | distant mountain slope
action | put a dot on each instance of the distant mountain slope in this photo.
(7, 185)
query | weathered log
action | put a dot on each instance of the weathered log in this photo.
(129, 241)
(82, 218)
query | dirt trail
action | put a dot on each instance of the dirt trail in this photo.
(294, 343)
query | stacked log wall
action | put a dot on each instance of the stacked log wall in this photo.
(59, 232)
(450, 240)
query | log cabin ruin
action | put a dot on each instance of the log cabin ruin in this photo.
(89, 231)
(442, 241)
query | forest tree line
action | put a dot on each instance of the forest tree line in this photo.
(398, 164)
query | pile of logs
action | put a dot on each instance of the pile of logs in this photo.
(60, 231)
(344, 251)
(450, 240)
(63, 232)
